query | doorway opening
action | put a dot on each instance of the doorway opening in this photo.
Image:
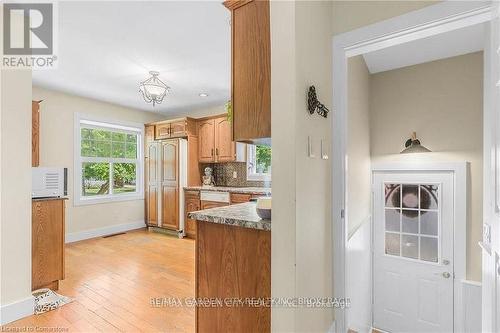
(395, 215)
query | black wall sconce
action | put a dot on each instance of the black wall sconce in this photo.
(314, 105)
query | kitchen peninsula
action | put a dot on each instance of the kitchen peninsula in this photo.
(233, 262)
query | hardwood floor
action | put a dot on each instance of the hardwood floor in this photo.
(113, 281)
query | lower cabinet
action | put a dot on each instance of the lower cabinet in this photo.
(192, 205)
(237, 198)
(212, 204)
(47, 243)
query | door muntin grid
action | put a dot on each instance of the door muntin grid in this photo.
(412, 221)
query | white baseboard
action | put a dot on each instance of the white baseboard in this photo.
(113, 229)
(17, 310)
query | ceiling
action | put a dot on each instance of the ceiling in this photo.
(106, 48)
(445, 45)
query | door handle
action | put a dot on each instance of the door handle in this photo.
(217, 151)
(446, 275)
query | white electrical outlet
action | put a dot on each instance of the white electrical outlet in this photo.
(235, 174)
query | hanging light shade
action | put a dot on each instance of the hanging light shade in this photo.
(153, 90)
(413, 145)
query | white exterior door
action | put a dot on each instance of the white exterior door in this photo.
(413, 251)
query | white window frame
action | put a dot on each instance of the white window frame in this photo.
(251, 164)
(113, 125)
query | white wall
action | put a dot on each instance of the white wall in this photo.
(443, 102)
(15, 204)
(358, 144)
(57, 112)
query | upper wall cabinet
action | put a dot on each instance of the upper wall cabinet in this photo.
(251, 70)
(214, 141)
(176, 128)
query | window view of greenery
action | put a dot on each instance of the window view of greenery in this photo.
(263, 159)
(98, 176)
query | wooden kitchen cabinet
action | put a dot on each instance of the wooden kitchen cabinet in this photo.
(251, 70)
(206, 141)
(215, 141)
(170, 184)
(47, 243)
(192, 204)
(232, 262)
(175, 128)
(35, 133)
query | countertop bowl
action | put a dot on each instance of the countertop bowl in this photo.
(264, 213)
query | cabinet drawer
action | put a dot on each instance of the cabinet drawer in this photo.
(237, 198)
(162, 131)
(192, 194)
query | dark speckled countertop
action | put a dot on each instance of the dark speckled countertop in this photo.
(241, 215)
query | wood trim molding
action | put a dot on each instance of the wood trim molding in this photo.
(234, 4)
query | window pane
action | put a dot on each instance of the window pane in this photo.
(263, 159)
(392, 243)
(124, 178)
(410, 246)
(429, 196)
(103, 149)
(392, 195)
(118, 149)
(410, 221)
(101, 135)
(131, 150)
(429, 249)
(86, 133)
(87, 148)
(120, 137)
(429, 223)
(410, 196)
(392, 219)
(132, 138)
(95, 179)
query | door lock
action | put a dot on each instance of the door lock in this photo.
(446, 262)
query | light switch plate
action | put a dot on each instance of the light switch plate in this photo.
(310, 152)
(235, 174)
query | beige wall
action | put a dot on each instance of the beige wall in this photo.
(15, 204)
(57, 114)
(358, 144)
(302, 234)
(443, 102)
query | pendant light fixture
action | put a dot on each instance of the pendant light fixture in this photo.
(413, 145)
(153, 90)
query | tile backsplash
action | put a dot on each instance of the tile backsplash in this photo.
(223, 174)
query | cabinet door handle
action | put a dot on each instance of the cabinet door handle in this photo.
(217, 151)
(212, 152)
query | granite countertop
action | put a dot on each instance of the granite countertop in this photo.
(241, 215)
(246, 190)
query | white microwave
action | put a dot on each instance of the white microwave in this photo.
(49, 182)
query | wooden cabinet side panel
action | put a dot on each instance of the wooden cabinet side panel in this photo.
(35, 133)
(251, 71)
(193, 172)
(152, 179)
(47, 246)
(233, 262)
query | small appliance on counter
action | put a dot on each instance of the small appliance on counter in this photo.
(49, 182)
(264, 208)
(208, 178)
